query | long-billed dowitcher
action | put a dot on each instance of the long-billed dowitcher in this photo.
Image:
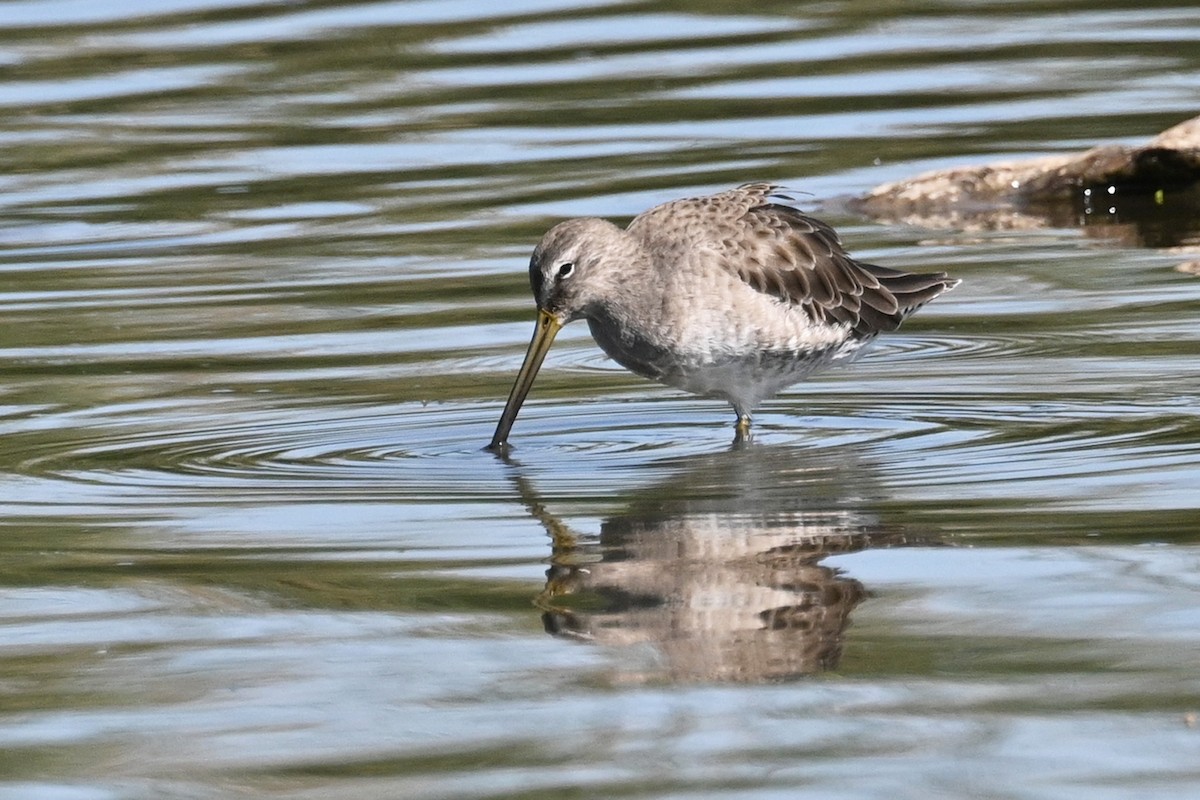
(735, 295)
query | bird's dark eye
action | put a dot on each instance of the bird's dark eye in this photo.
(565, 269)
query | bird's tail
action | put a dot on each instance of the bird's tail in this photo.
(908, 290)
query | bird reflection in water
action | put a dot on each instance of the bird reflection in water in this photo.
(718, 570)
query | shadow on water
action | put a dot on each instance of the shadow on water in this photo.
(718, 568)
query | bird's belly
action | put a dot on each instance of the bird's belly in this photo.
(747, 380)
(736, 366)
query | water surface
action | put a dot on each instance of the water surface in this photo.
(263, 292)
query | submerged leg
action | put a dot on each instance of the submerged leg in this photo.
(742, 429)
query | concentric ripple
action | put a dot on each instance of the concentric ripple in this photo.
(364, 450)
(1113, 455)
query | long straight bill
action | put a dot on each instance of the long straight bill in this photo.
(544, 331)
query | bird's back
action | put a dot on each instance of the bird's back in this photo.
(778, 251)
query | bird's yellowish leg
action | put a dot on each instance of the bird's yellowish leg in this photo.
(742, 429)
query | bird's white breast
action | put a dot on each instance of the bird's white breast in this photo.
(718, 337)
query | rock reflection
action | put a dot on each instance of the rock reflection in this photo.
(719, 568)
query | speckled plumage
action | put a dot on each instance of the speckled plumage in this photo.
(734, 295)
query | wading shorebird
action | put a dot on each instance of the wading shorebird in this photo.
(735, 295)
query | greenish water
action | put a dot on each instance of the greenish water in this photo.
(263, 293)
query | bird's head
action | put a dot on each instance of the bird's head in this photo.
(564, 270)
(568, 278)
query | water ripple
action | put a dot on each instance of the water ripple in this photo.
(594, 449)
(263, 293)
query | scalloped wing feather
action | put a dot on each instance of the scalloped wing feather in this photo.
(780, 251)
